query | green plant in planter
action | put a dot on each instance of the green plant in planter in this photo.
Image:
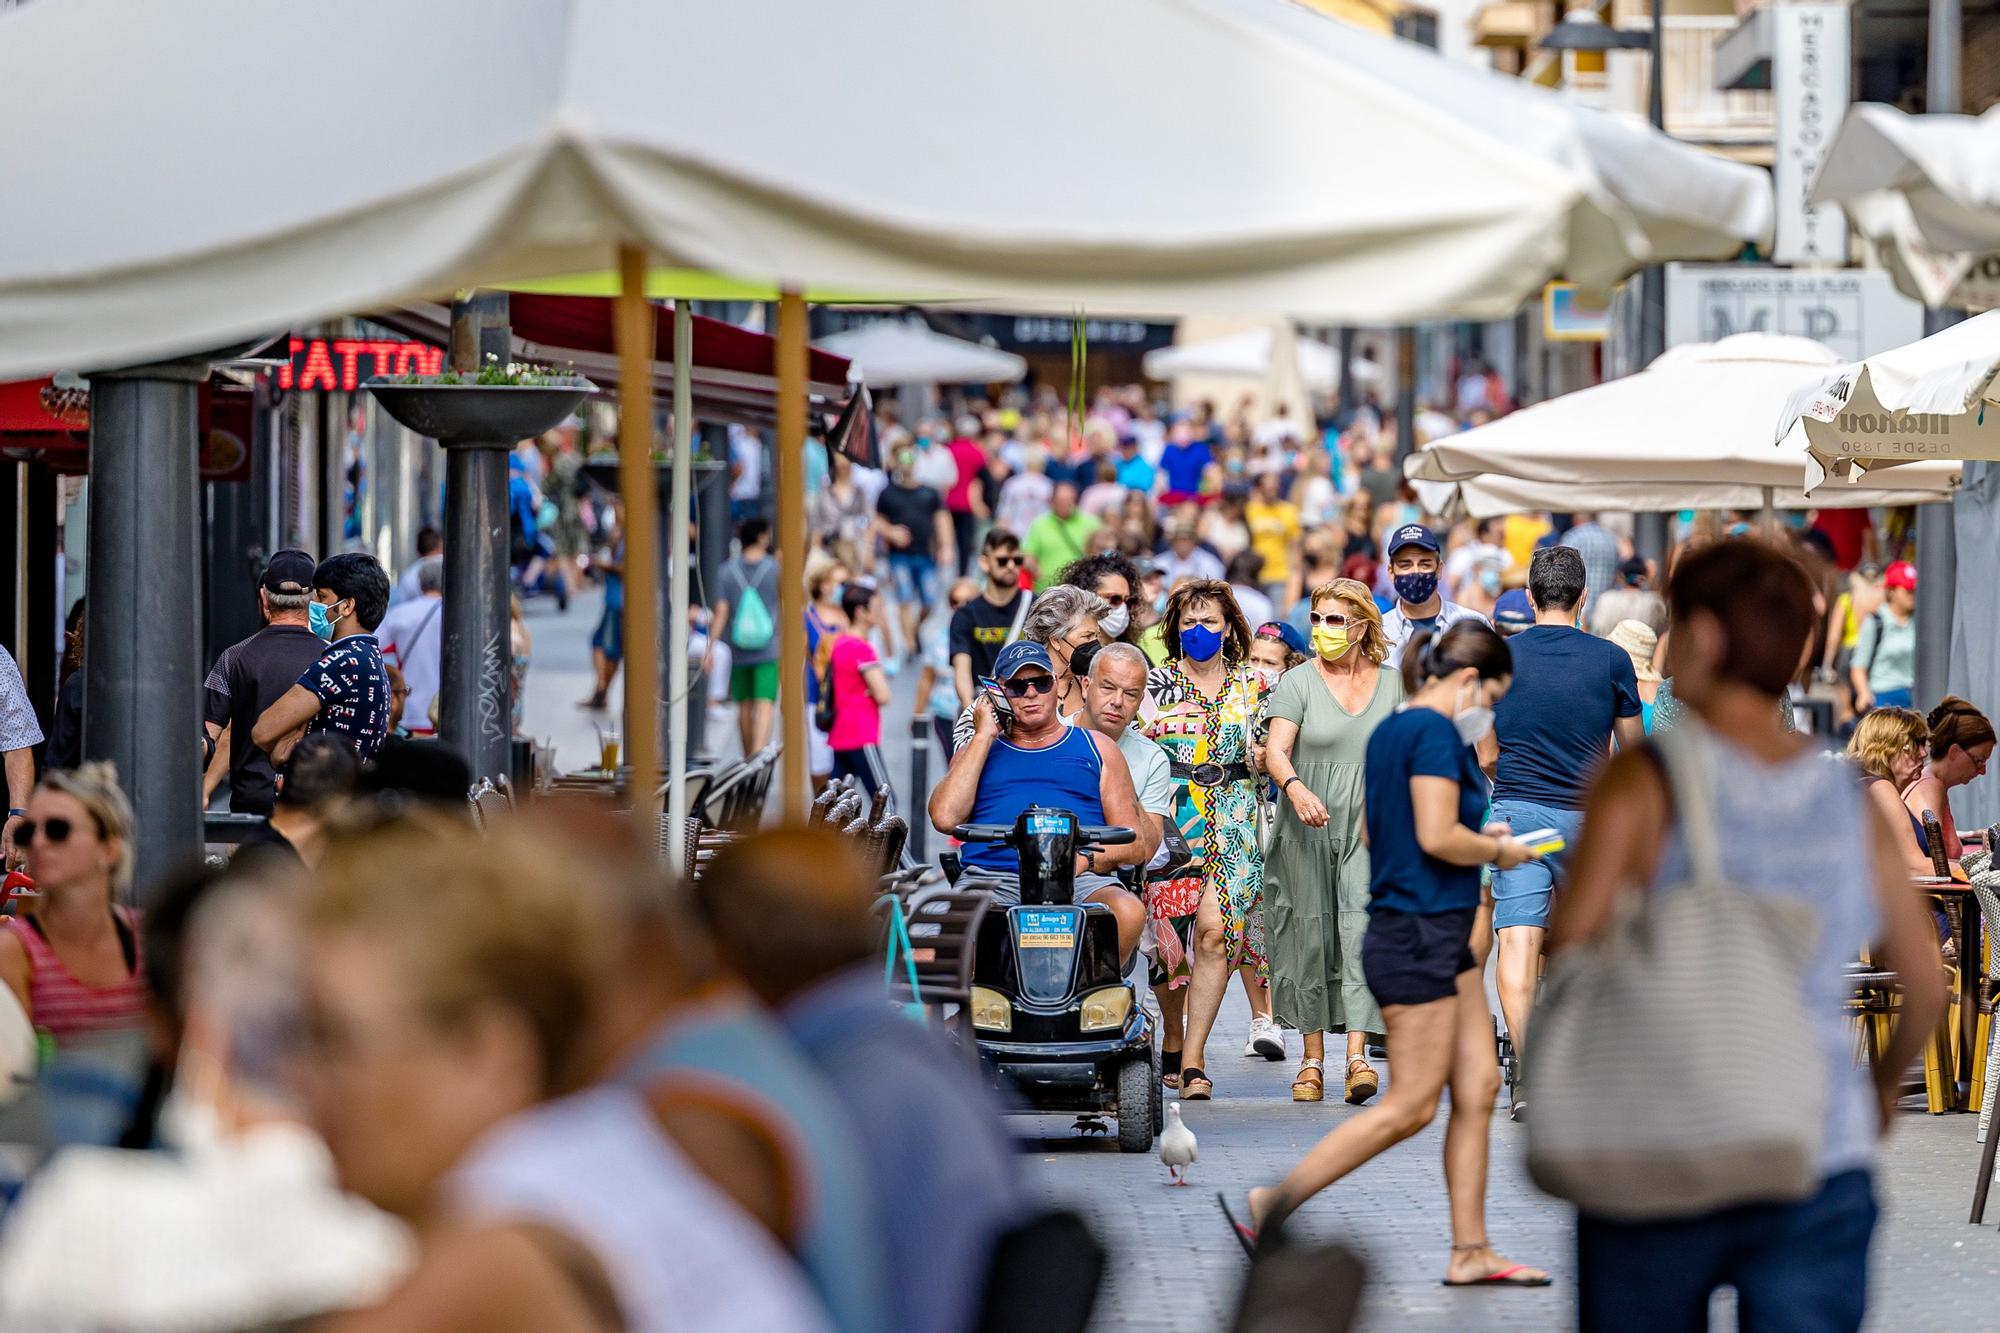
(510, 374)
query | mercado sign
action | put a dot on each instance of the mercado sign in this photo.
(343, 363)
(1809, 81)
(1855, 312)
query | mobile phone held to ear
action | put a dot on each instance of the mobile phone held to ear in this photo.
(1543, 841)
(1003, 707)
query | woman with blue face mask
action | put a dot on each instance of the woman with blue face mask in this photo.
(1201, 706)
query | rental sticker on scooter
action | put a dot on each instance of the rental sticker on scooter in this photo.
(1046, 930)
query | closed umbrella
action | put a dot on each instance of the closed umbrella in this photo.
(891, 352)
(1688, 431)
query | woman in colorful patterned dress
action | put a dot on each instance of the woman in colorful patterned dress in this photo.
(1201, 706)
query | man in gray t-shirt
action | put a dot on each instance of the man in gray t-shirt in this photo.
(746, 618)
(1116, 687)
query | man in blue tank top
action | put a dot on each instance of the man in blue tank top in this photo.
(1040, 761)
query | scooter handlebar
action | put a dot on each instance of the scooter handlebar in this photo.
(983, 832)
(1110, 835)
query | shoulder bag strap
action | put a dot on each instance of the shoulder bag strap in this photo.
(1026, 600)
(1685, 749)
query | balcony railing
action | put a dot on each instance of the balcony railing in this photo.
(1695, 108)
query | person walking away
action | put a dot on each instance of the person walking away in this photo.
(1059, 537)
(1424, 800)
(316, 786)
(412, 638)
(916, 531)
(746, 618)
(1201, 706)
(791, 913)
(1890, 747)
(250, 676)
(992, 620)
(607, 642)
(966, 500)
(1600, 553)
(1790, 827)
(346, 691)
(1316, 877)
(860, 693)
(1414, 563)
(1636, 637)
(1572, 694)
(1960, 748)
(430, 546)
(1885, 652)
(470, 1009)
(937, 692)
(71, 955)
(826, 580)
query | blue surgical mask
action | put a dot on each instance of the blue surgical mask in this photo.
(1199, 643)
(1416, 589)
(1489, 579)
(320, 619)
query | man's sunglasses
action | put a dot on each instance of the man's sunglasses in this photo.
(55, 830)
(1333, 618)
(1004, 560)
(1022, 686)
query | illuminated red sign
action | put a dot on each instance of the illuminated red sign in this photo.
(342, 363)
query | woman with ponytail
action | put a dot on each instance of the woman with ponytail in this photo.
(1961, 744)
(1423, 799)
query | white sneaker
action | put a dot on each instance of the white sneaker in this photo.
(1266, 1038)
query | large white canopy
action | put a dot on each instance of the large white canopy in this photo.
(1929, 399)
(1236, 154)
(1691, 430)
(1491, 497)
(1948, 167)
(896, 351)
(1249, 354)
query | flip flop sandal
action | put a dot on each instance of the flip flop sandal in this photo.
(1245, 1236)
(1196, 1085)
(1170, 1069)
(1513, 1275)
(1310, 1085)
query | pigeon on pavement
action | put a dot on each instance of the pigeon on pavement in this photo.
(1177, 1145)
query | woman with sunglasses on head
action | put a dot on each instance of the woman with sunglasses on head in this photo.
(72, 955)
(1202, 706)
(1316, 876)
(1112, 576)
(1423, 800)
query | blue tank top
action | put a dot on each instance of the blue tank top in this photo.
(1068, 775)
(727, 1050)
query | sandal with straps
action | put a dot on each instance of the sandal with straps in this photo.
(1362, 1081)
(1313, 1088)
(1195, 1084)
(1170, 1069)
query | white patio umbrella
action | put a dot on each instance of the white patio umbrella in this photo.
(1922, 272)
(896, 351)
(1491, 497)
(1248, 354)
(1947, 166)
(1685, 432)
(1935, 398)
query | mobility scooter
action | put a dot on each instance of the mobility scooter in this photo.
(1052, 1015)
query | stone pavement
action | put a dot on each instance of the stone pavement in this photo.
(1175, 1265)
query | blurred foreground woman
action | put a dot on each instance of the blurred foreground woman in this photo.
(1790, 824)
(453, 983)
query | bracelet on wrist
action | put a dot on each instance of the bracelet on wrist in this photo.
(1288, 782)
(15, 812)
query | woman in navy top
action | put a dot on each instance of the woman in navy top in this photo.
(1424, 796)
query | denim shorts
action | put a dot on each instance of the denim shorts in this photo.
(915, 579)
(1521, 896)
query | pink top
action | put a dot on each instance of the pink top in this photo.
(856, 719)
(66, 1007)
(971, 460)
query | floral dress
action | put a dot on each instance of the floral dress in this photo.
(1220, 822)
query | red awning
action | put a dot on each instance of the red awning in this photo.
(37, 407)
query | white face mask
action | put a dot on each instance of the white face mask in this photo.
(1114, 621)
(1473, 722)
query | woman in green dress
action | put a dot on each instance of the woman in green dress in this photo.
(1316, 875)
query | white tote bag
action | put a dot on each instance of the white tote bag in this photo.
(1672, 1065)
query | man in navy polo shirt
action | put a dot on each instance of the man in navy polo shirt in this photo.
(346, 692)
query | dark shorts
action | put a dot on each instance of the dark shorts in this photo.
(1410, 959)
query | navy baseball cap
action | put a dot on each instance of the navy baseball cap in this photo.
(290, 573)
(1513, 612)
(1413, 534)
(1018, 654)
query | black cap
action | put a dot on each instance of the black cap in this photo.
(290, 573)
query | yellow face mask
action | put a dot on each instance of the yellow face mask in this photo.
(1329, 641)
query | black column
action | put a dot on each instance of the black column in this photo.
(142, 700)
(476, 715)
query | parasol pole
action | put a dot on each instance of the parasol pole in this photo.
(678, 523)
(791, 356)
(636, 485)
(1771, 513)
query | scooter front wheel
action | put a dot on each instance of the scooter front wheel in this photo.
(1136, 1090)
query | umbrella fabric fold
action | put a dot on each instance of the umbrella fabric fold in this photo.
(1947, 166)
(896, 351)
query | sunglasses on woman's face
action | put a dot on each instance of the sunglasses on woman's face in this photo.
(52, 831)
(1022, 686)
(1331, 618)
(1114, 598)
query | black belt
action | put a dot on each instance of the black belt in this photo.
(1210, 775)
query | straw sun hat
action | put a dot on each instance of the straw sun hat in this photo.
(1636, 637)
